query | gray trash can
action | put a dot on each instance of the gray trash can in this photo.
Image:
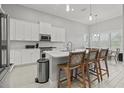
(42, 71)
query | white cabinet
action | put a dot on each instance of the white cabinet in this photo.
(17, 57)
(20, 30)
(24, 56)
(58, 34)
(35, 32)
(45, 28)
(24, 31)
(27, 31)
(54, 34)
(12, 29)
(62, 35)
(30, 56)
(12, 56)
(35, 55)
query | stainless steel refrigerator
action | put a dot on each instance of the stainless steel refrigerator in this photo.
(4, 42)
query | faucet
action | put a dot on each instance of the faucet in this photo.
(69, 46)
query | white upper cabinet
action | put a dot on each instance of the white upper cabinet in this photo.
(20, 28)
(27, 31)
(23, 30)
(35, 32)
(12, 29)
(45, 28)
(62, 34)
(54, 35)
(58, 34)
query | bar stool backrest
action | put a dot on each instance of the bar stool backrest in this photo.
(76, 58)
(92, 55)
(103, 53)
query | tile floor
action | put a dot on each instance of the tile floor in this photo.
(24, 77)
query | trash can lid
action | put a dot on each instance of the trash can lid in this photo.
(42, 60)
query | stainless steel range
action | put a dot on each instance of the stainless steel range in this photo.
(42, 49)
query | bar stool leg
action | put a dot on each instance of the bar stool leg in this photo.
(83, 74)
(100, 72)
(68, 74)
(88, 75)
(59, 78)
(72, 75)
(97, 71)
(107, 67)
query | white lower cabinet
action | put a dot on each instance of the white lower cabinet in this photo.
(24, 56)
(17, 57)
(35, 55)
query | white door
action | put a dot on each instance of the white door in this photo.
(27, 31)
(12, 29)
(62, 35)
(45, 28)
(20, 30)
(35, 32)
(54, 35)
(18, 57)
(12, 56)
(35, 55)
(26, 56)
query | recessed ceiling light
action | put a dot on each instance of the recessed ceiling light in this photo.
(72, 9)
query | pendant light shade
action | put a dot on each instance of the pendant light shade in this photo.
(90, 16)
(67, 7)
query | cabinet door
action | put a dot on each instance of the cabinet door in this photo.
(26, 56)
(58, 34)
(18, 57)
(19, 30)
(62, 35)
(12, 29)
(27, 31)
(35, 32)
(35, 55)
(12, 56)
(54, 35)
(45, 28)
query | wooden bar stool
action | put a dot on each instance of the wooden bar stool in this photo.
(75, 61)
(103, 58)
(89, 61)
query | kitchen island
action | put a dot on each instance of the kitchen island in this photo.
(55, 58)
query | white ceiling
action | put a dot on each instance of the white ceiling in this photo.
(104, 11)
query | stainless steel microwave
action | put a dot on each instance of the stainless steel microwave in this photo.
(45, 37)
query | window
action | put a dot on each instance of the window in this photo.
(116, 40)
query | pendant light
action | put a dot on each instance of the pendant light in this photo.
(67, 7)
(90, 16)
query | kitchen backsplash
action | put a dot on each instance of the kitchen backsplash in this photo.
(21, 44)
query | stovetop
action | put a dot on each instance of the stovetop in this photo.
(46, 47)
